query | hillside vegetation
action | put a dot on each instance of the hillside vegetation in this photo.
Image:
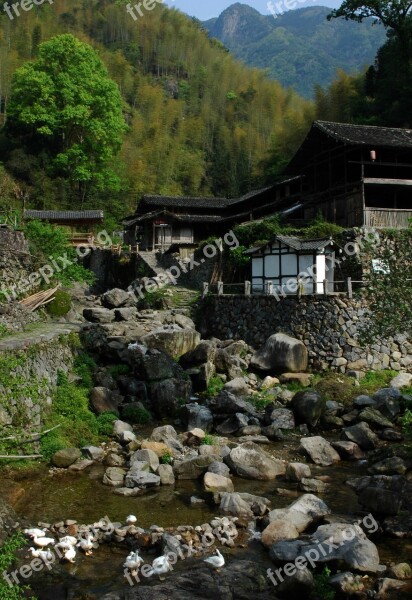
(198, 122)
(300, 48)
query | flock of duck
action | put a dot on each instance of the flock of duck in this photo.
(68, 544)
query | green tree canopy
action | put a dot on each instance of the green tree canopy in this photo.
(65, 104)
(391, 14)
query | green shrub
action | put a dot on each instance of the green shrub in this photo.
(136, 414)
(60, 305)
(117, 370)
(209, 440)
(84, 367)
(167, 457)
(215, 386)
(105, 423)
(7, 556)
(323, 590)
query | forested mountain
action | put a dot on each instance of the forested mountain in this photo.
(198, 121)
(300, 48)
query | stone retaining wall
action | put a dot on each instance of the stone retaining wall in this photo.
(328, 326)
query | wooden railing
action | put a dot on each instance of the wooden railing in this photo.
(395, 218)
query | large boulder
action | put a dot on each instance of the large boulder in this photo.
(198, 416)
(166, 434)
(227, 404)
(343, 542)
(203, 353)
(172, 339)
(243, 504)
(288, 523)
(281, 353)
(237, 386)
(362, 435)
(114, 476)
(116, 298)
(101, 399)
(98, 315)
(193, 468)
(146, 455)
(66, 457)
(251, 462)
(169, 395)
(280, 418)
(387, 401)
(308, 406)
(217, 483)
(320, 450)
(232, 424)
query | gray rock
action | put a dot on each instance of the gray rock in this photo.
(362, 435)
(251, 462)
(320, 450)
(401, 380)
(313, 486)
(297, 585)
(217, 483)
(147, 456)
(115, 298)
(102, 401)
(167, 434)
(98, 315)
(347, 583)
(348, 450)
(297, 471)
(281, 353)
(114, 460)
(219, 468)
(120, 427)
(389, 466)
(156, 366)
(228, 404)
(173, 340)
(141, 479)
(387, 401)
(273, 433)
(199, 417)
(232, 425)
(66, 457)
(374, 418)
(125, 314)
(308, 406)
(281, 418)
(114, 476)
(237, 386)
(349, 545)
(168, 395)
(364, 401)
(93, 453)
(242, 504)
(126, 437)
(167, 477)
(193, 468)
(288, 523)
(203, 353)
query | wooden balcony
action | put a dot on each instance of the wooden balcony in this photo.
(387, 218)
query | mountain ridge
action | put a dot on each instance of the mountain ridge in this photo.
(299, 48)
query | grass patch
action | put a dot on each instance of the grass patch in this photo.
(136, 415)
(344, 389)
(323, 590)
(216, 385)
(209, 440)
(105, 423)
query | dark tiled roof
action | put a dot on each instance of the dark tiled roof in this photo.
(366, 135)
(296, 243)
(65, 215)
(184, 202)
(172, 216)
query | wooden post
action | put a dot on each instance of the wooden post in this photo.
(269, 288)
(248, 287)
(205, 289)
(219, 288)
(325, 287)
(301, 288)
(349, 287)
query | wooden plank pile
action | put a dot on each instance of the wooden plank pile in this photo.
(40, 299)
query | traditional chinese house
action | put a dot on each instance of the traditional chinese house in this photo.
(81, 225)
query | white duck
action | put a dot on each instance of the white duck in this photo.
(45, 555)
(160, 566)
(216, 562)
(133, 562)
(35, 532)
(68, 539)
(42, 542)
(70, 554)
(131, 520)
(86, 544)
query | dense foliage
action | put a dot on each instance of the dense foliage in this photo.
(199, 122)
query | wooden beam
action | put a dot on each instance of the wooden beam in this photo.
(382, 181)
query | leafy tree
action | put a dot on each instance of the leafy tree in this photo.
(388, 288)
(65, 103)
